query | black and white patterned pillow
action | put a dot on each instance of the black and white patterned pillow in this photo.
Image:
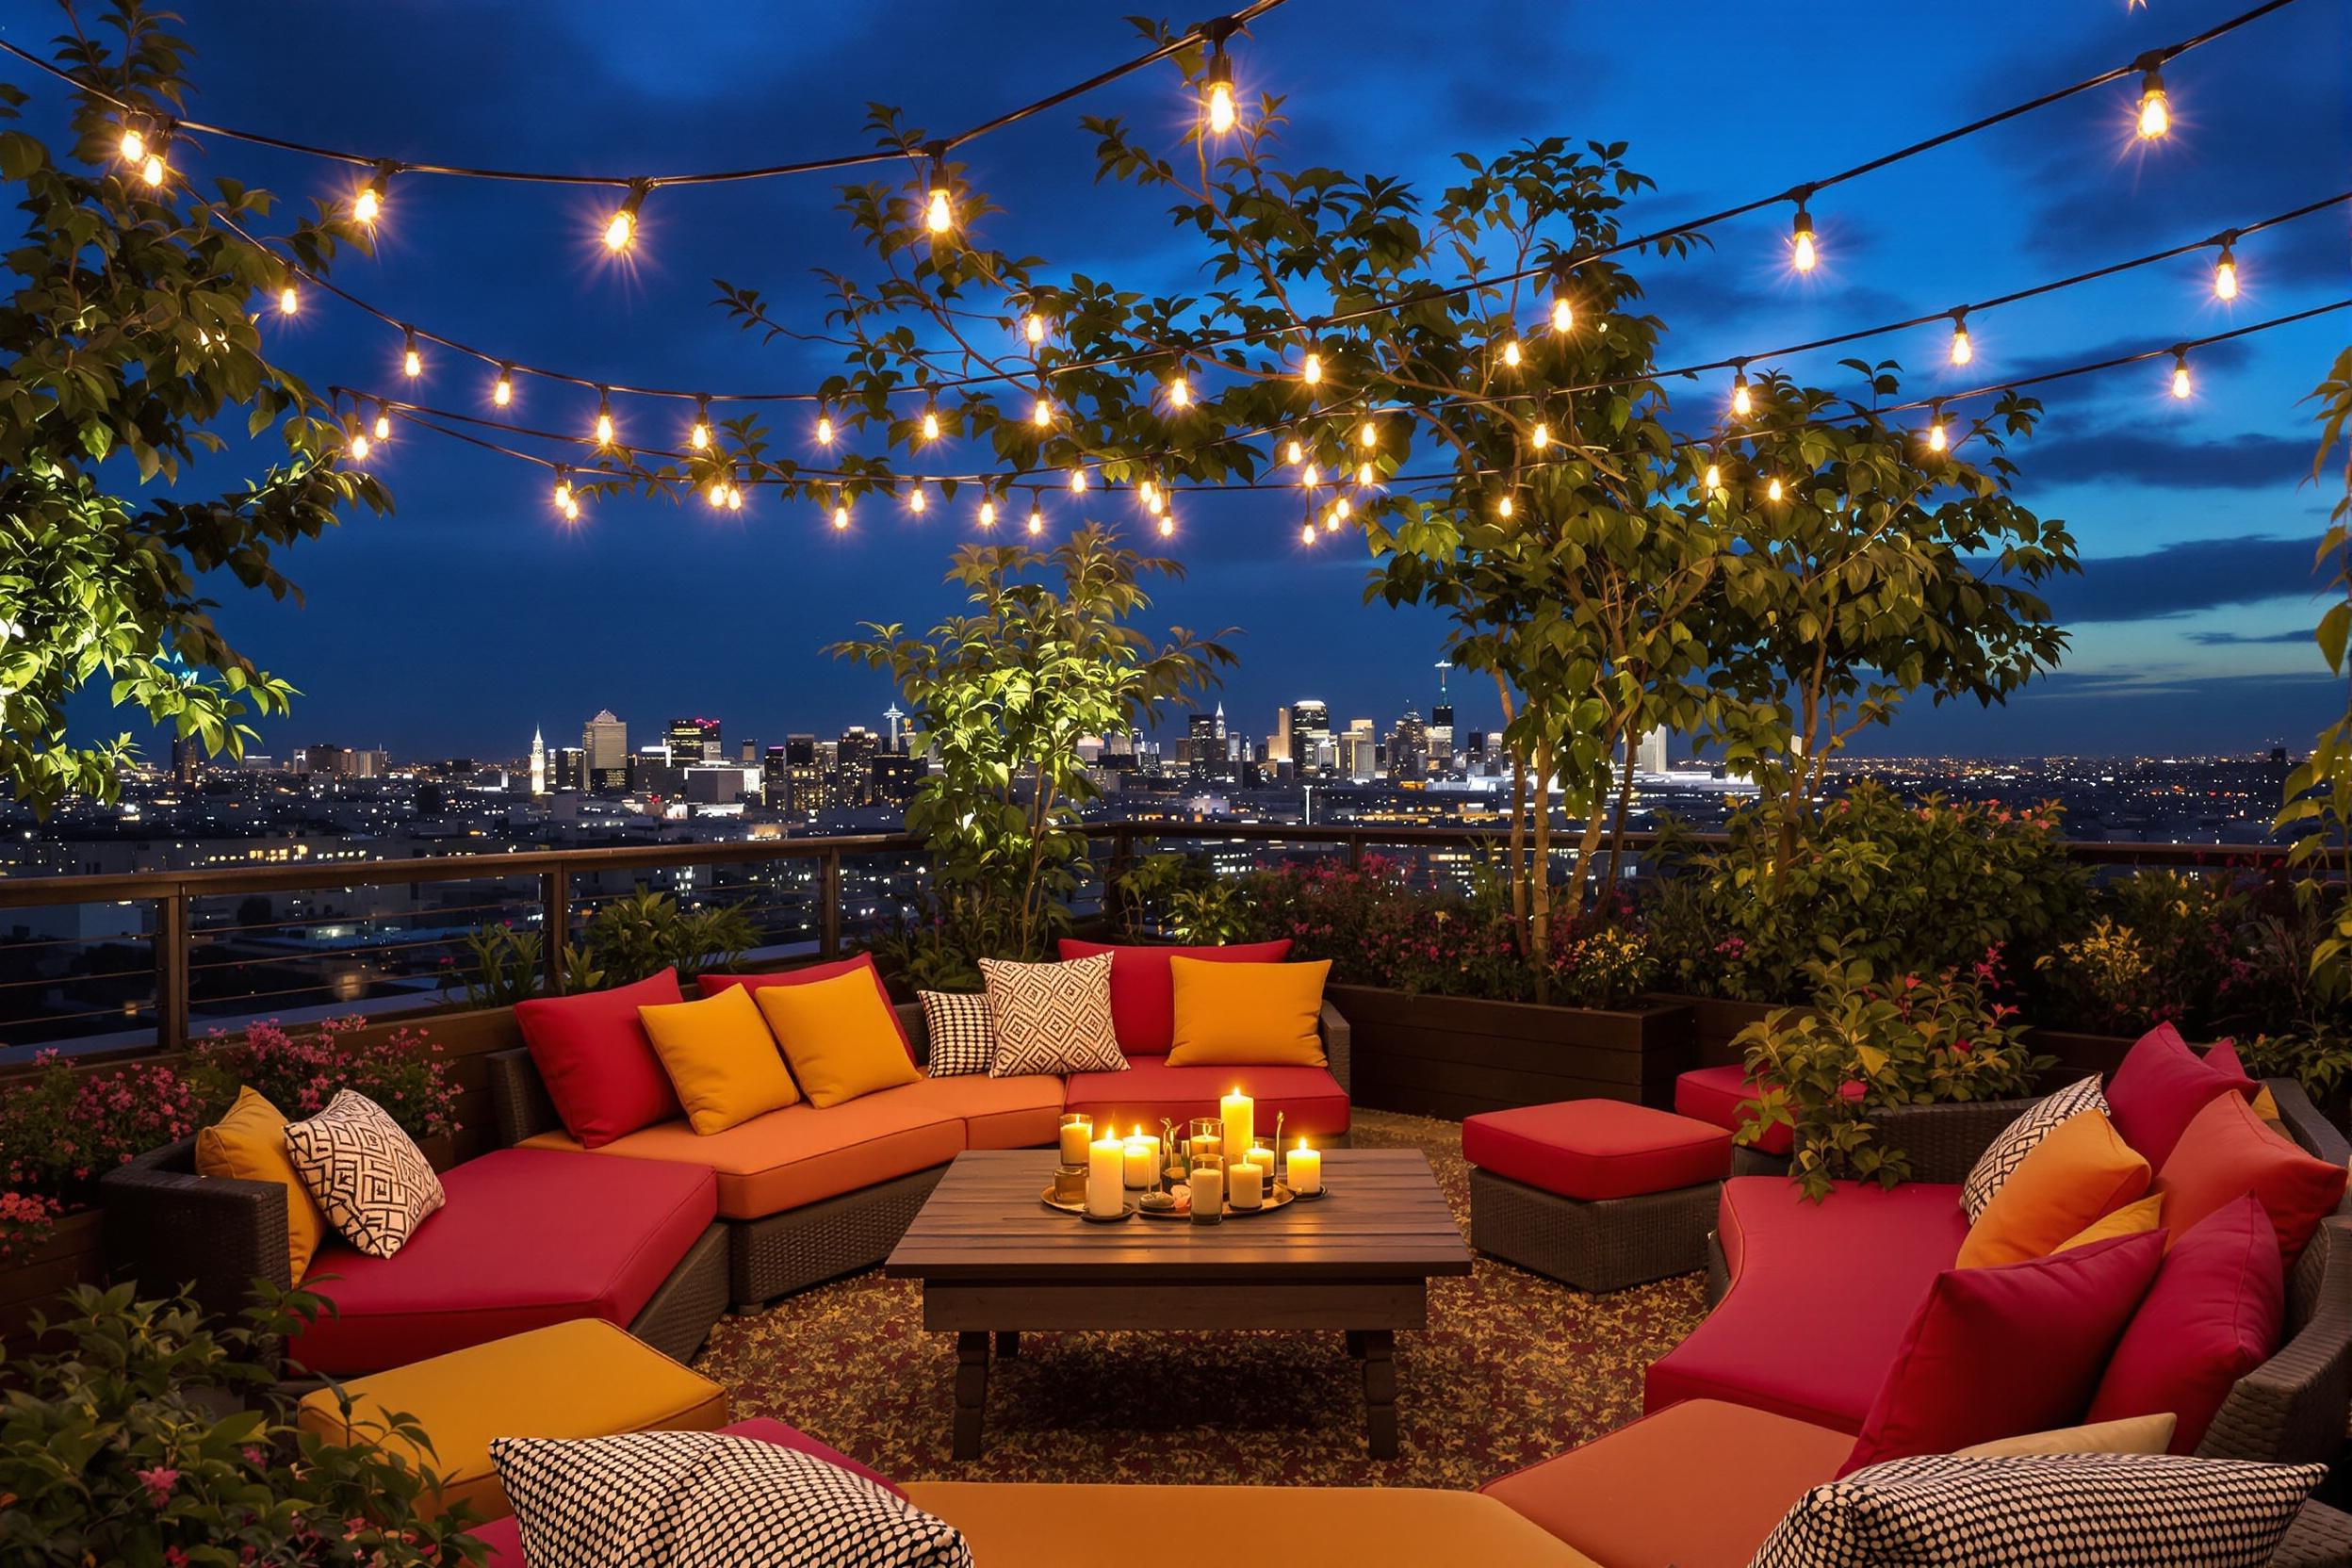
(2017, 1140)
(1051, 1018)
(371, 1180)
(963, 1035)
(2082, 1511)
(708, 1500)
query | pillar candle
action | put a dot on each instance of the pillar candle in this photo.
(1208, 1189)
(1077, 1131)
(1248, 1180)
(1106, 1178)
(1264, 1159)
(1142, 1157)
(1306, 1170)
(1239, 1112)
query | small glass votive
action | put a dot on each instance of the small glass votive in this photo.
(1207, 1184)
(1069, 1184)
(1077, 1136)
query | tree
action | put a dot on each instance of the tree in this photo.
(1000, 697)
(2319, 790)
(127, 336)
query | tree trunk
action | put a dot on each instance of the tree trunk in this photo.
(1617, 832)
(1539, 914)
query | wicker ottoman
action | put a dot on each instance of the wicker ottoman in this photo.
(1598, 1193)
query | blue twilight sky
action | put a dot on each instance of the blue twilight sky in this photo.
(468, 616)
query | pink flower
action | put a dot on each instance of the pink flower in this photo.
(158, 1483)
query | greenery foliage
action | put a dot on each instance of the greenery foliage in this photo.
(2319, 792)
(646, 932)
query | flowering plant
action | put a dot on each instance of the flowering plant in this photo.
(403, 1072)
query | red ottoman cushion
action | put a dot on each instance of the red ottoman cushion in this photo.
(1143, 989)
(1594, 1149)
(505, 1539)
(711, 984)
(2214, 1315)
(1714, 1094)
(596, 1061)
(2160, 1086)
(1309, 1099)
(527, 1237)
(2008, 1349)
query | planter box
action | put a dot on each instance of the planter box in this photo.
(1452, 1056)
(1716, 1021)
(71, 1256)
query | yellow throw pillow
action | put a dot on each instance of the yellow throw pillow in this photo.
(2129, 1220)
(249, 1145)
(1247, 1015)
(721, 1060)
(2133, 1434)
(2083, 1171)
(839, 1036)
(2266, 1106)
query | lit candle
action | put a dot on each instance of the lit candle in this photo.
(1249, 1185)
(1142, 1158)
(1106, 1176)
(1077, 1131)
(1208, 1190)
(1239, 1112)
(1306, 1170)
(1262, 1158)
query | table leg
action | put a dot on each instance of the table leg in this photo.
(971, 1390)
(1380, 1391)
(1008, 1344)
(1355, 1344)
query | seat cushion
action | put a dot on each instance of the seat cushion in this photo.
(1594, 1149)
(1041, 1524)
(2216, 1312)
(592, 1053)
(1309, 1099)
(1714, 1094)
(2160, 1087)
(1821, 1296)
(809, 974)
(581, 1379)
(503, 1537)
(529, 1237)
(1008, 1113)
(1143, 987)
(1627, 1500)
(2226, 1151)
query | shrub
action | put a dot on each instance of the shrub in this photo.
(115, 1450)
(403, 1072)
(646, 932)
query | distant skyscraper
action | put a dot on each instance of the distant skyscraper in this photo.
(1651, 757)
(1359, 756)
(858, 746)
(898, 740)
(571, 769)
(1409, 749)
(1441, 725)
(605, 741)
(1277, 745)
(538, 763)
(694, 740)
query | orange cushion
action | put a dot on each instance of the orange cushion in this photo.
(2225, 1153)
(2146, 1214)
(841, 1036)
(1699, 1484)
(2081, 1172)
(249, 1145)
(1250, 1015)
(721, 1060)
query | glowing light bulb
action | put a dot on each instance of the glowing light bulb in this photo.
(1041, 413)
(699, 438)
(1511, 353)
(824, 430)
(939, 213)
(930, 425)
(2225, 275)
(1772, 491)
(1504, 507)
(1742, 401)
(571, 512)
(1306, 533)
(1180, 393)
(916, 501)
(1364, 473)
(988, 514)
(604, 420)
(289, 301)
(734, 498)
(841, 515)
(1077, 482)
(1367, 435)
(1542, 436)
(2181, 388)
(1310, 474)
(151, 170)
(1342, 509)
(1312, 371)
(1714, 478)
(412, 361)
(1216, 92)
(134, 145)
(502, 390)
(384, 424)
(1963, 349)
(1296, 453)
(716, 495)
(1032, 328)
(620, 230)
(1037, 518)
(361, 446)
(1167, 524)
(2155, 118)
(1802, 253)
(1151, 492)
(1937, 438)
(562, 492)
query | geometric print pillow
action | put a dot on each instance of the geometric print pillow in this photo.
(372, 1183)
(2006, 1152)
(1051, 1018)
(708, 1500)
(2127, 1511)
(963, 1033)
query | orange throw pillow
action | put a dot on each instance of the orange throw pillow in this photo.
(840, 1036)
(721, 1060)
(2225, 1153)
(1248, 1015)
(2081, 1172)
(2129, 1220)
(249, 1145)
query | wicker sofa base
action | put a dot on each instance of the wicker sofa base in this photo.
(1753, 1162)
(1598, 1246)
(821, 1241)
(676, 1318)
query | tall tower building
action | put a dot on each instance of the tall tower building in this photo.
(856, 753)
(694, 740)
(1278, 747)
(1651, 756)
(538, 763)
(604, 741)
(1441, 725)
(894, 718)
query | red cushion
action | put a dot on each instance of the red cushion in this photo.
(595, 1060)
(2161, 1086)
(1714, 1094)
(1143, 989)
(2227, 1152)
(2003, 1350)
(504, 1537)
(1594, 1148)
(1820, 1295)
(2215, 1314)
(711, 984)
(527, 1237)
(2223, 1059)
(1309, 1099)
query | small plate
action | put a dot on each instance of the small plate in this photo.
(1079, 1209)
(1280, 1196)
(1316, 1196)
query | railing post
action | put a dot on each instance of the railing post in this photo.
(555, 924)
(171, 971)
(1355, 850)
(829, 905)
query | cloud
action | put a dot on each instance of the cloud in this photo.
(2183, 578)
(2245, 462)
(2237, 639)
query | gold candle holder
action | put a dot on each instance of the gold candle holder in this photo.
(1069, 1184)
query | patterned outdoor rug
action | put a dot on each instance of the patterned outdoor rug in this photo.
(1513, 1368)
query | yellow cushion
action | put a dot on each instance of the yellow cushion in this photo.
(1248, 1015)
(249, 1145)
(2266, 1104)
(721, 1060)
(581, 1379)
(2147, 1214)
(839, 1036)
(2081, 1172)
(2133, 1434)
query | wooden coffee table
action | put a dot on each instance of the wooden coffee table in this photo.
(993, 1258)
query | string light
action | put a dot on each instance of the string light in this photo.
(1772, 490)
(289, 299)
(1167, 524)
(563, 489)
(1032, 328)
(620, 230)
(699, 438)
(930, 424)
(359, 445)
(1342, 510)
(1563, 312)
(1041, 413)
(987, 511)
(384, 424)
(2226, 270)
(1714, 478)
(1963, 349)
(2181, 388)
(2155, 118)
(1743, 401)
(134, 144)
(1036, 517)
(369, 204)
(1180, 393)
(604, 417)
(1542, 436)
(1364, 473)
(1504, 507)
(1311, 371)
(1219, 109)
(502, 390)
(1306, 532)
(1077, 482)
(915, 502)
(412, 361)
(152, 170)
(824, 430)
(1938, 440)
(1802, 255)
(734, 498)
(1296, 453)
(1310, 475)
(1510, 354)
(716, 495)
(938, 210)
(1367, 435)
(1151, 492)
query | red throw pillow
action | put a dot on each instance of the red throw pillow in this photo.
(1143, 987)
(1997, 1353)
(2222, 1057)
(711, 984)
(2161, 1086)
(2226, 1153)
(594, 1058)
(2215, 1313)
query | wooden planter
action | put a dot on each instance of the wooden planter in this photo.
(1716, 1022)
(1453, 1056)
(70, 1257)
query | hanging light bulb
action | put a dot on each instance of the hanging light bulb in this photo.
(2181, 388)
(939, 209)
(134, 144)
(1151, 492)
(563, 489)
(1963, 350)
(359, 445)
(411, 363)
(1077, 482)
(841, 515)
(987, 513)
(571, 511)
(1714, 478)
(1041, 413)
(1511, 353)
(384, 424)
(604, 417)
(1032, 328)
(1504, 507)
(1037, 517)
(502, 390)
(916, 502)
(1772, 490)
(1167, 524)
(1310, 474)
(1219, 109)
(620, 230)
(1743, 401)
(369, 204)
(1342, 509)
(930, 424)
(2226, 272)
(1802, 253)
(1180, 393)
(1938, 439)
(1364, 473)
(699, 438)
(1542, 436)
(1312, 371)
(1563, 312)
(734, 498)
(289, 299)
(1306, 532)
(2155, 118)
(154, 169)
(1367, 435)
(1296, 453)
(716, 495)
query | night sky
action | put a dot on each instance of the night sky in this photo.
(454, 626)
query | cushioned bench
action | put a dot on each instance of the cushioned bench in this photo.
(1311, 1102)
